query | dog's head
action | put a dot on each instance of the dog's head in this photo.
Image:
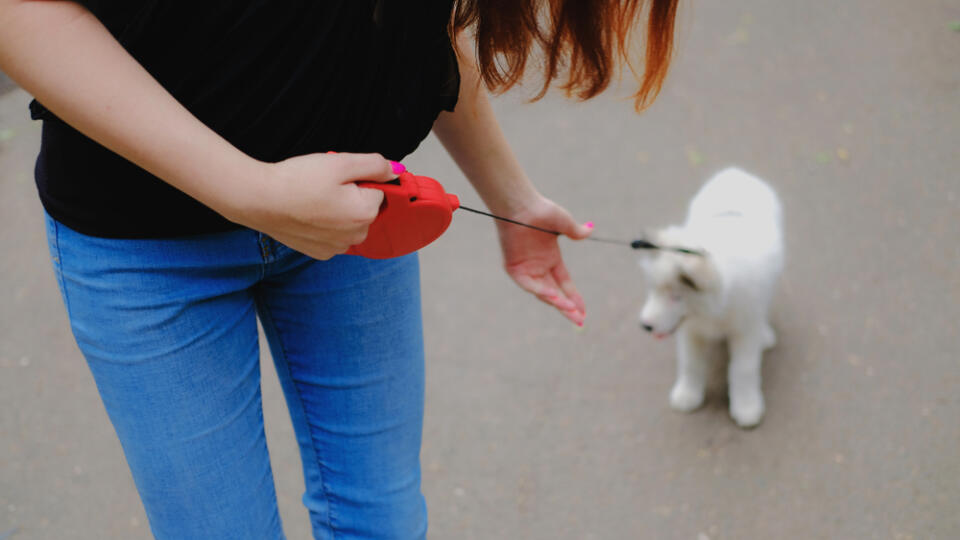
(676, 282)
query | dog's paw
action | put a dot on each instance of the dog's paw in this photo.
(686, 398)
(747, 410)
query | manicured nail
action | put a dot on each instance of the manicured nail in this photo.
(398, 168)
(588, 224)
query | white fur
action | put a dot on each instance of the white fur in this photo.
(735, 219)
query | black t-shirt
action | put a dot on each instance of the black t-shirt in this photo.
(276, 78)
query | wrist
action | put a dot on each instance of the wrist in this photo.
(513, 199)
(245, 188)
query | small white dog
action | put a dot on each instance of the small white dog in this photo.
(724, 294)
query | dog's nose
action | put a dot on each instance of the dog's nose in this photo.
(647, 327)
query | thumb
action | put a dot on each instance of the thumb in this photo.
(575, 231)
(369, 167)
(563, 222)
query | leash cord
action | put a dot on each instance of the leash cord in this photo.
(508, 220)
(635, 244)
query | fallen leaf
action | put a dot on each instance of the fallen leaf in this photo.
(955, 26)
(7, 134)
(823, 158)
(843, 154)
(694, 157)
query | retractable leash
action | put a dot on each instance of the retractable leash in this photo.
(416, 210)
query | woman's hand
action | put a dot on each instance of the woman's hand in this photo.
(532, 258)
(473, 138)
(311, 204)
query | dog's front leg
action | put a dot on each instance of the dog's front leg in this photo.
(688, 390)
(744, 381)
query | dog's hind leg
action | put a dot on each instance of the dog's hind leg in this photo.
(743, 378)
(690, 387)
(769, 337)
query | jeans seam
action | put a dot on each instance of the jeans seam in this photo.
(268, 320)
(59, 269)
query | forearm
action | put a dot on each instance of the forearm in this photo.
(64, 57)
(474, 140)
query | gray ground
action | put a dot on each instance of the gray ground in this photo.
(536, 431)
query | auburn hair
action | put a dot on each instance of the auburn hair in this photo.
(584, 41)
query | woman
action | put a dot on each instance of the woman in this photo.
(184, 173)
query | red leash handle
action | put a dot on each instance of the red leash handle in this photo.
(415, 211)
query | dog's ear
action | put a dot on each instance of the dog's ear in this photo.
(688, 281)
(698, 272)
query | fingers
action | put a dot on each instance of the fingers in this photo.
(370, 167)
(321, 251)
(577, 313)
(547, 291)
(332, 241)
(563, 279)
(370, 200)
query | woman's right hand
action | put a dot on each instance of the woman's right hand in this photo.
(311, 203)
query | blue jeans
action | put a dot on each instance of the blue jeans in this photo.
(168, 328)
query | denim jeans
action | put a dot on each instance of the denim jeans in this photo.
(168, 328)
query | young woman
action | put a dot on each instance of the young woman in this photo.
(184, 173)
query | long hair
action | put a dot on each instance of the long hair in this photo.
(583, 41)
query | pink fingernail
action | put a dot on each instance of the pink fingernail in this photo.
(588, 224)
(398, 168)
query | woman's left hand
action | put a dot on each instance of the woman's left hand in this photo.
(532, 258)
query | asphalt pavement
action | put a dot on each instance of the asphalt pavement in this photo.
(536, 430)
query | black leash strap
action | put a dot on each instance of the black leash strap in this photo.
(635, 244)
(508, 220)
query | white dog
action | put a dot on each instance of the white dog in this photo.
(723, 294)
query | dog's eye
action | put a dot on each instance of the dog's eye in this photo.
(685, 279)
